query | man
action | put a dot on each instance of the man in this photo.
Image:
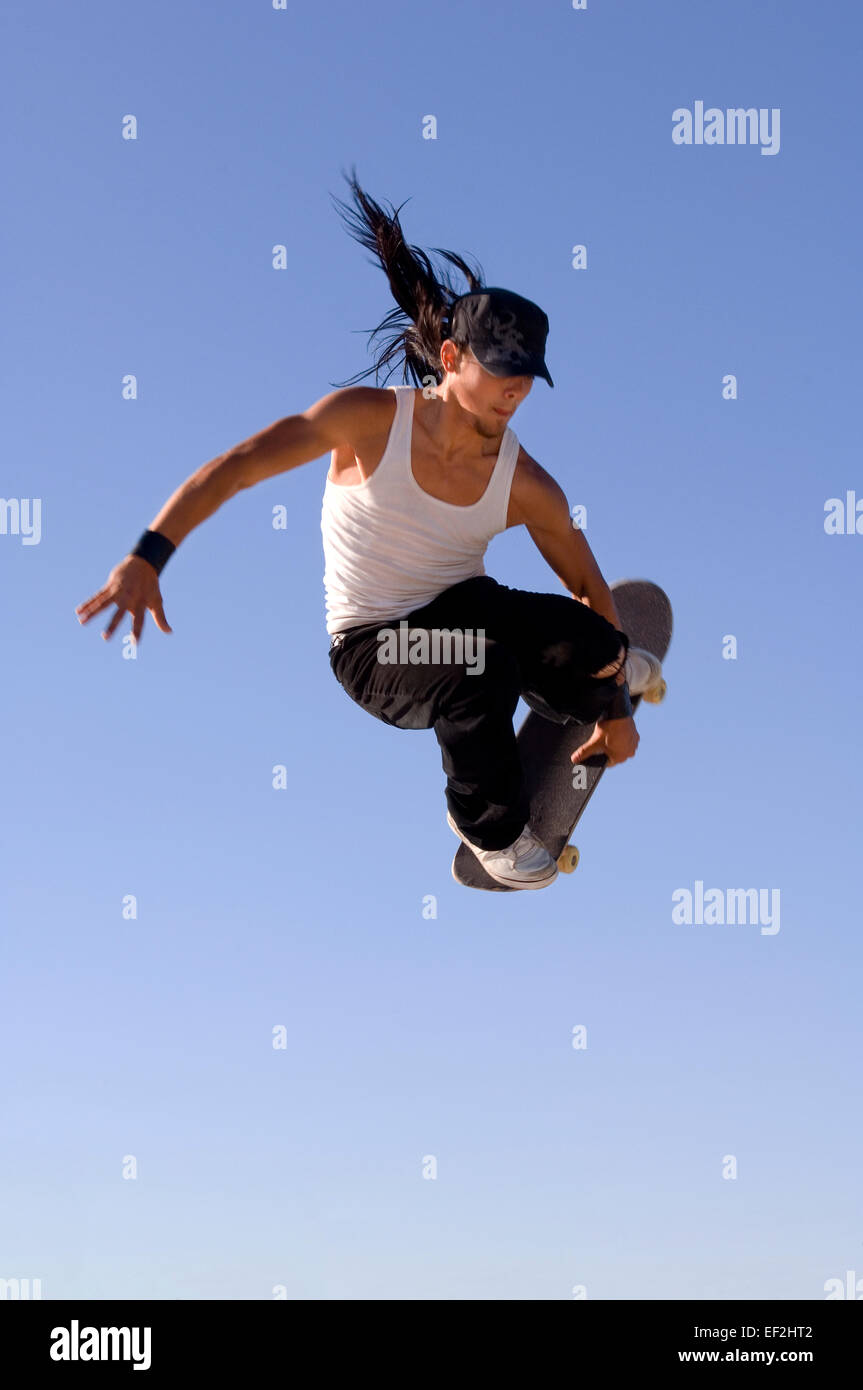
(420, 480)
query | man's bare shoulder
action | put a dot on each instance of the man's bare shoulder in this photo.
(353, 414)
(359, 413)
(367, 400)
(534, 494)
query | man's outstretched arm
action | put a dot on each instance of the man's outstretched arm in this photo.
(133, 584)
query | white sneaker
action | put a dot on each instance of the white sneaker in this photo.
(524, 864)
(643, 670)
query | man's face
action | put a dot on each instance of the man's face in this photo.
(492, 399)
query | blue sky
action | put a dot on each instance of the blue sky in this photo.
(302, 1168)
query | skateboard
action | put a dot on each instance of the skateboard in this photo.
(546, 740)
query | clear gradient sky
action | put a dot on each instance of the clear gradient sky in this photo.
(406, 1036)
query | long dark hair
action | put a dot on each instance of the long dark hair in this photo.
(423, 297)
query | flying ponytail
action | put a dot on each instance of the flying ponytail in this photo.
(423, 299)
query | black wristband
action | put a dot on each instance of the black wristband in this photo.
(620, 706)
(155, 548)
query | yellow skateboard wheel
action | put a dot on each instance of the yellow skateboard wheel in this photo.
(657, 694)
(567, 860)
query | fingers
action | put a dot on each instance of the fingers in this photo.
(94, 605)
(159, 618)
(133, 604)
(621, 755)
(595, 744)
(112, 626)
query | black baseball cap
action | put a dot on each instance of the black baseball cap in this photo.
(506, 332)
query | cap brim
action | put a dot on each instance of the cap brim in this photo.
(529, 368)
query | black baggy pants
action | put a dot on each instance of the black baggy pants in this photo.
(544, 647)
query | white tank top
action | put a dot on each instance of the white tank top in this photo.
(389, 546)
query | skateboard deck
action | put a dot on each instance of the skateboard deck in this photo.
(545, 743)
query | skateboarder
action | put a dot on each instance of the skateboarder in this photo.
(421, 477)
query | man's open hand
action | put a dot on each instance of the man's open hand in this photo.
(134, 586)
(616, 738)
